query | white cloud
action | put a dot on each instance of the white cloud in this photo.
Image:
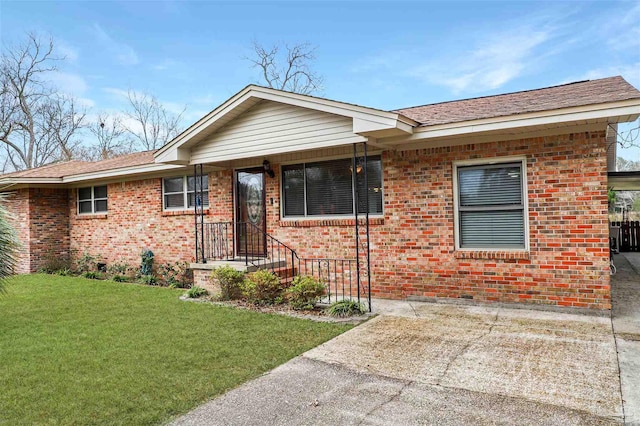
(69, 83)
(495, 61)
(118, 93)
(69, 53)
(122, 52)
(630, 72)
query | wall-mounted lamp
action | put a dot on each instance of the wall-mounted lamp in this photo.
(267, 168)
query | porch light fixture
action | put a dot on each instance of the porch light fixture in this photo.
(267, 168)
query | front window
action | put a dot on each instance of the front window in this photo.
(490, 206)
(326, 188)
(180, 192)
(92, 199)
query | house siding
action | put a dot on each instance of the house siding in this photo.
(280, 129)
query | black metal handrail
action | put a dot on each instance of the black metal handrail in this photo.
(246, 242)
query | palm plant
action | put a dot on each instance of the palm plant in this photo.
(8, 244)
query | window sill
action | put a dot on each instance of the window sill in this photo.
(91, 216)
(492, 254)
(189, 212)
(309, 223)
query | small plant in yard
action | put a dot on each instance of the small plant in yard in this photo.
(65, 272)
(176, 275)
(54, 262)
(262, 287)
(230, 280)
(92, 275)
(305, 292)
(148, 280)
(196, 292)
(87, 263)
(346, 308)
(119, 278)
(146, 262)
(119, 268)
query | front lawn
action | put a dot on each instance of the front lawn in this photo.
(78, 351)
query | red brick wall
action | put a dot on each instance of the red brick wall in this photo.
(49, 225)
(134, 221)
(41, 220)
(17, 204)
(412, 248)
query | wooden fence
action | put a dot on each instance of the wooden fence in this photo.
(629, 235)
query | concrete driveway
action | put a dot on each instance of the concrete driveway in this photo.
(420, 363)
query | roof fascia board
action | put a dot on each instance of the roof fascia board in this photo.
(618, 109)
(29, 181)
(383, 118)
(128, 171)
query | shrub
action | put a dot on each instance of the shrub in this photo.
(146, 262)
(196, 292)
(230, 280)
(148, 280)
(54, 262)
(119, 278)
(119, 268)
(346, 308)
(92, 275)
(262, 288)
(64, 272)
(176, 275)
(87, 263)
(305, 292)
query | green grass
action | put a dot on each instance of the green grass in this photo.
(78, 351)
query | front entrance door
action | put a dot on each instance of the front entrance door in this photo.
(250, 212)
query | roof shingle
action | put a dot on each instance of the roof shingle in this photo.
(577, 94)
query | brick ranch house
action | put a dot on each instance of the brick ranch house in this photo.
(496, 199)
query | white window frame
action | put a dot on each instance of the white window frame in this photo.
(93, 200)
(326, 217)
(185, 194)
(525, 199)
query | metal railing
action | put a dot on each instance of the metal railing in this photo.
(250, 244)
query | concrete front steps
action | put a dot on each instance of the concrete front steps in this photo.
(202, 271)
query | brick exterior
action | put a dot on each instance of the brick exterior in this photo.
(40, 216)
(412, 247)
(135, 221)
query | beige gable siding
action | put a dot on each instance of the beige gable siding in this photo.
(273, 128)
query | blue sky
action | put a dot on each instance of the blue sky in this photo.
(380, 54)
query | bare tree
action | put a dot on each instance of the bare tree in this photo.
(288, 71)
(111, 138)
(37, 125)
(152, 124)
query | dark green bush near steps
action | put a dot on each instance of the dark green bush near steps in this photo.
(346, 308)
(263, 287)
(230, 281)
(305, 292)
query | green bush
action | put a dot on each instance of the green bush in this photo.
(119, 278)
(196, 292)
(87, 263)
(65, 272)
(176, 275)
(230, 280)
(305, 292)
(346, 308)
(92, 275)
(148, 279)
(119, 268)
(54, 262)
(262, 287)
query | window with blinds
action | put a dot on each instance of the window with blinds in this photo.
(326, 188)
(491, 206)
(180, 192)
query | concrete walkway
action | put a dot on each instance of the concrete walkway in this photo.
(625, 294)
(421, 363)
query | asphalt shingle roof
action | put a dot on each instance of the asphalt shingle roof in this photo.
(577, 94)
